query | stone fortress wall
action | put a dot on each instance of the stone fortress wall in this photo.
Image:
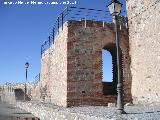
(71, 69)
(54, 70)
(14, 92)
(61, 84)
(144, 41)
(144, 22)
(7, 94)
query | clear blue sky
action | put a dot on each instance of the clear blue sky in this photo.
(23, 28)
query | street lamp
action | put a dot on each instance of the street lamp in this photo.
(25, 91)
(115, 9)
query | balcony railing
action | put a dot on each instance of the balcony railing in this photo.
(74, 13)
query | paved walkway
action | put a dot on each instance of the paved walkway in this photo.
(9, 112)
(52, 112)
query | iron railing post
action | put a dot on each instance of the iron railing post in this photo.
(41, 51)
(67, 11)
(49, 40)
(62, 20)
(58, 25)
(39, 76)
(53, 35)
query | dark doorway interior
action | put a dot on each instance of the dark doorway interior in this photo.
(19, 94)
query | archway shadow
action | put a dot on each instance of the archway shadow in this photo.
(20, 95)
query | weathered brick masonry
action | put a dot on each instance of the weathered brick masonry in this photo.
(71, 69)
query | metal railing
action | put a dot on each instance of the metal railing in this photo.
(78, 14)
(37, 78)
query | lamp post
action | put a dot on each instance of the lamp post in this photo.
(25, 89)
(115, 9)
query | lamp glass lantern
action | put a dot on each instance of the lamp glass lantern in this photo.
(115, 7)
(26, 65)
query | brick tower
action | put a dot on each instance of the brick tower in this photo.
(71, 69)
